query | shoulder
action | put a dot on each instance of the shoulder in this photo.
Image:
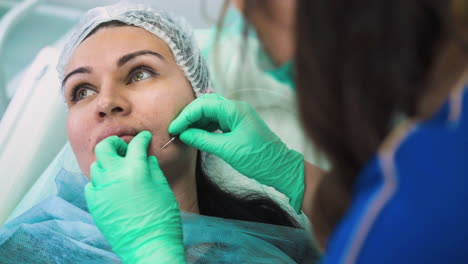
(409, 203)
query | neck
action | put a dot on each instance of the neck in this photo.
(185, 192)
(181, 177)
(278, 45)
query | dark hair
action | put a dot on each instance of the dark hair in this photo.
(360, 65)
(214, 201)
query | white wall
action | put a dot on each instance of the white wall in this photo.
(190, 9)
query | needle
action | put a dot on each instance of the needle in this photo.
(172, 139)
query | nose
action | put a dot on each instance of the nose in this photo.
(112, 102)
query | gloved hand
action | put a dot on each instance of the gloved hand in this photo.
(132, 203)
(247, 144)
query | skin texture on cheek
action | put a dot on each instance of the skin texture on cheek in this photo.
(167, 105)
(176, 151)
(80, 140)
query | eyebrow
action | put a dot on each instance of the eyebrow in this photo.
(120, 62)
(79, 70)
(126, 58)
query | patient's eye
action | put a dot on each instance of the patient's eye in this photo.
(81, 92)
(141, 73)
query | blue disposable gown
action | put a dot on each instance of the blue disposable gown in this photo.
(60, 230)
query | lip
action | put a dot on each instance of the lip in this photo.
(125, 132)
(127, 138)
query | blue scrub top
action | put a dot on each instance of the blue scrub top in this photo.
(410, 203)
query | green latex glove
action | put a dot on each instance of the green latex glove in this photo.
(132, 203)
(247, 144)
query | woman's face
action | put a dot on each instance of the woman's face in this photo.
(120, 81)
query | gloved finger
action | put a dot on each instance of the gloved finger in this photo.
(201, 112)
(94, 201)
(212, 96)
(156, 173)
(109, 149)
(205, 124)
(98, 175)
(90, 195)
(138, 147)
(121, 148)
(204, 141)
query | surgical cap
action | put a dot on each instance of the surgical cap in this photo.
(175, 31)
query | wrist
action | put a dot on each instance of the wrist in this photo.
(296, 185)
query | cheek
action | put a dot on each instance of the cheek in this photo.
(164, 108)
(78, 132)
(160, 107)
(174, 156)
(156, 118)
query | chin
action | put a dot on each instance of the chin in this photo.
(175, 157)
(165, 156)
